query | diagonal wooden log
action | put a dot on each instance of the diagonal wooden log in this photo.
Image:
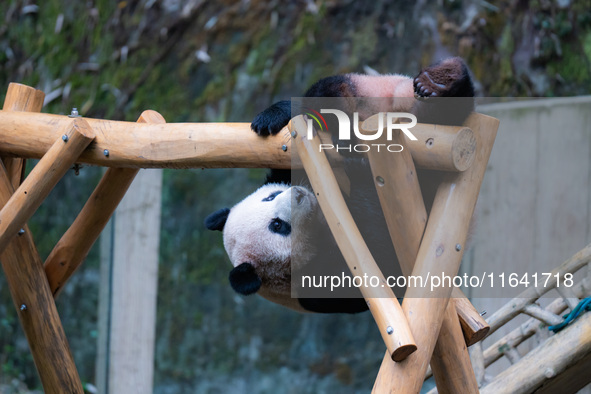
(401, 199)
(46, 174)
(192, 145)
(30, 291)
(381, 300)
(20, 98)
(404, 209)
(438, 255)
(72, 249)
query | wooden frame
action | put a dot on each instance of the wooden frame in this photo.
(125, 146)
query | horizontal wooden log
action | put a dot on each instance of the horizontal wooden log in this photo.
(28, 197)
(445, 148)
(171, 145)
(73, 247)
(381, 300)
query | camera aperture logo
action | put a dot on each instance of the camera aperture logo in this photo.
(344, 133)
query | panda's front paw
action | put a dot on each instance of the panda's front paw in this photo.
(273, 119)
(448, 78)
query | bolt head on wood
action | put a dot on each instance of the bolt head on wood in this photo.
(65, 138)
(21, 231)
(389, 330)
(458, 247)
(106, 152)
(23, 307)
(74, 112)
(284, 148)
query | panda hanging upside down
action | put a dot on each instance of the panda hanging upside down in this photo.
(265, 232)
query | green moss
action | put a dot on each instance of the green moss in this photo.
(363, 44)
(587, 45)
(573, 66)
(506, 49)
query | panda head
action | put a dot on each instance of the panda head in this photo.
(261, 235)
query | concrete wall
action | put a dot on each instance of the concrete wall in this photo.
(534, 209)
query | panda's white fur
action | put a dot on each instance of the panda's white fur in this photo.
(248, 239)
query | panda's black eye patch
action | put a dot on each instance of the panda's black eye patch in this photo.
(272, 196)
(280, 227)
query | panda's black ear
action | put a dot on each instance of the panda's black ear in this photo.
(244, 279)
(217, 220)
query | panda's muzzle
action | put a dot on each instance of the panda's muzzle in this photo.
(244, 279)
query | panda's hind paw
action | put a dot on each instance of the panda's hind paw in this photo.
(448, 78)
(425, 87)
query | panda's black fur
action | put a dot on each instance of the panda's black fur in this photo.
(449, 78)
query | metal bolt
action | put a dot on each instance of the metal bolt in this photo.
(294, 134)
(21, 231)
(389, 330)
(482, 313)
(65, 138)
(23, 307)
(74, 112)
(549, 373)
(284, 148)
(106, 152)
(458, 247)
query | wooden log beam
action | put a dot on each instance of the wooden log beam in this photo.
(450, 361)
(438, 255)
(406, 215)
(381, 301)
(400, 196)
(185, 145)
(474, 326)
(46, 174)
(555, 356)
(442, 147)
(20, 98)
(72, 249)
(32, 297)
(517, 305)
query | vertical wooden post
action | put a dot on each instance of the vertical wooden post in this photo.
(447, 227)
(30, 291)
(20, 98)
(406, 216)
(129, 273)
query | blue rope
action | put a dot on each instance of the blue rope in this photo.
(582, 306)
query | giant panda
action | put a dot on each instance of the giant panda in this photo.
(263, 232)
